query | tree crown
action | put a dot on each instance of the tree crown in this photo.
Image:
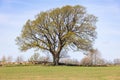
(56, 29)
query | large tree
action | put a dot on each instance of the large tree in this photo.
(57, 29)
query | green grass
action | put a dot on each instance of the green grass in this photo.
(59, 73)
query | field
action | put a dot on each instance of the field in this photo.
(59, 73)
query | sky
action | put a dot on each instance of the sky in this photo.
(14, 14)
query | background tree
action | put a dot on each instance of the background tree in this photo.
(19, 59)
(116, 61)
(85, 61)
(58, 29)
(93, 57)
(4, 60)
(64, 54)
(47, 57)
(35, 57)
(9, 59)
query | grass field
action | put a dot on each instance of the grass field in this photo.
(59, 73)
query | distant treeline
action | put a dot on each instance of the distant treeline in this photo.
(36, 59)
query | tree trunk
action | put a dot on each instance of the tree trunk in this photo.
(56, 59)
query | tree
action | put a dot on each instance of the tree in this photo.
(86, 61)
(93, 57)
(116, 61)
(58, 29)
(63, 54)
(3, 60)
(35, 57)
(47, 57)
(19, 59)
(9, 59)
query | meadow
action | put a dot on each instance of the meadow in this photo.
(59, 73)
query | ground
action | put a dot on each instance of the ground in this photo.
(59, 73)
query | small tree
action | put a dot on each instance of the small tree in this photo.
(35, 57)
(93, 57)
(9, 59)
(58, 29)
(64, 54)
(47, 57)
(3, 60)
(86, 61)
(19, 59)
(117, 61)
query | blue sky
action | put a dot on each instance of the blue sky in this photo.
(14, 14)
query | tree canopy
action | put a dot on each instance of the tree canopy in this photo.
(57, 29)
